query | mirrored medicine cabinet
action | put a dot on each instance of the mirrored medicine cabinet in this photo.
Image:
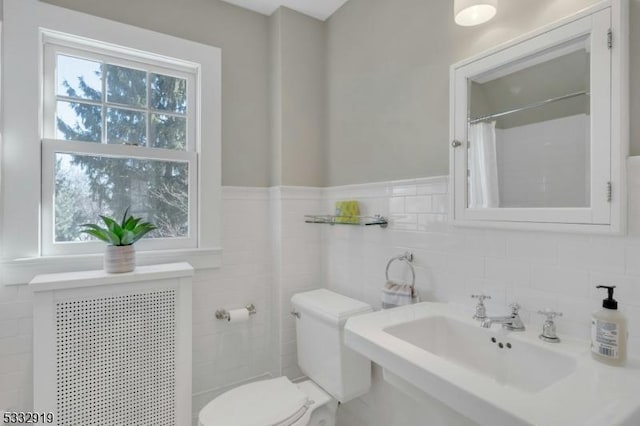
(539, 128)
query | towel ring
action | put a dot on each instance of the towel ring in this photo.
(407, 258)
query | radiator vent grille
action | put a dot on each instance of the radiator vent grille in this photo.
(116, 360)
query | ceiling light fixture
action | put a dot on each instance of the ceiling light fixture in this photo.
(474, 12)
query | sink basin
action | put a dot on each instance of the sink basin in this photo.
(517, 364)
(435, 351)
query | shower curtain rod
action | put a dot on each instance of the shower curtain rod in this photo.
(524, 108)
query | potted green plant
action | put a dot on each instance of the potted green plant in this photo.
(120, 255)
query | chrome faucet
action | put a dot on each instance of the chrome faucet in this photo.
(510, 322)
(481, 309)
(549, 327)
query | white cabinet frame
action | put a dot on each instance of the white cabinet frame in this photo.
(609, 123)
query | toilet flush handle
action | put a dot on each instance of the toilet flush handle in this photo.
(295, 314)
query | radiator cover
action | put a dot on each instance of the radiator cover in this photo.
(114, 354)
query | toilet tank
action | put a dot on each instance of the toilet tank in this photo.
(322, 355)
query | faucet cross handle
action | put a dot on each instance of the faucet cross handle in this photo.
(549, 327)
(550, 314)
(481, 297)
(515, 308)
(481, 310)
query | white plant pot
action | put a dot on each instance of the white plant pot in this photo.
(118, 259)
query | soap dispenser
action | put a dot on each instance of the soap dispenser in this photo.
(609, 332)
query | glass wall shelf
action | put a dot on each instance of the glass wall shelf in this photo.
(379, 220)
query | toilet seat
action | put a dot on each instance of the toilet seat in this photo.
(275, 402)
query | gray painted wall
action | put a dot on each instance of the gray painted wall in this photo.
(303, 100)
(635, 76)
(388, 78)
(298, 99)
(387, 73)
(275, 96)
(242, 35)
(557, 77)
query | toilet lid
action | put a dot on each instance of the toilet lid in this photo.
(264, 403)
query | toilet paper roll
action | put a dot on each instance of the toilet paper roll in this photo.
(238, 315)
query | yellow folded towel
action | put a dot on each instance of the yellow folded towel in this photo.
(347, 212)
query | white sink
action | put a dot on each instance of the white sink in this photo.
(519, 364)
(437, 350)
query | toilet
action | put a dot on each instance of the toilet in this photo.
(335, 372)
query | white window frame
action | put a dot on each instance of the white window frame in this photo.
(54, 45)
(25, 25)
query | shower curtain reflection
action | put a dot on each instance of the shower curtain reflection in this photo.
(483, 166)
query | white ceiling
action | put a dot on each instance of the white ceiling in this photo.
(319, 9)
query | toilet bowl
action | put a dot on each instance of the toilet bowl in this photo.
(274, 402)
(336, 373)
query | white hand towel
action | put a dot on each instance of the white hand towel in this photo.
(395, 294)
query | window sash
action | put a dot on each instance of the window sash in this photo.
(53, 48)
(49, 150)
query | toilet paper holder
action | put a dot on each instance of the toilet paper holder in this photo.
(223, 314)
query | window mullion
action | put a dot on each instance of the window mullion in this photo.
(104, 102)
(125, 106)
(78, 100)
(168, 113)
(118, 150)
(148, 115)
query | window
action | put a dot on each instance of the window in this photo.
(150, 140)
(119, 132)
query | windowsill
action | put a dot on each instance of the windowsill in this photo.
(22, 271)
(83, 279)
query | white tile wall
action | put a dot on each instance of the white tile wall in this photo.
(223, 354)
(385, 405)
(270, 254)
(297, 261)
(16, 360)
(537, 270)
(526, 176)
